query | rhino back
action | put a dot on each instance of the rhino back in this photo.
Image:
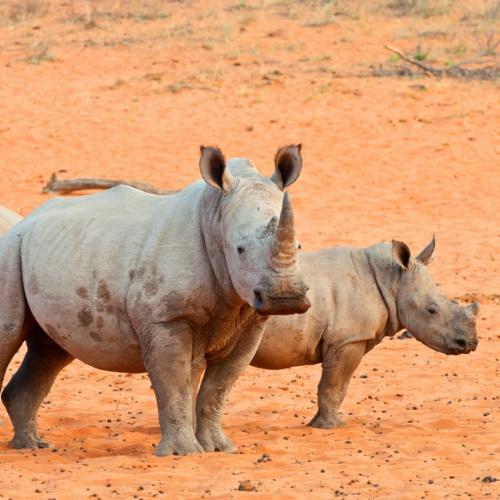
(82, 257)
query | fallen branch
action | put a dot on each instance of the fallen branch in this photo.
(455, 70)
(425, 67)
(69, 185)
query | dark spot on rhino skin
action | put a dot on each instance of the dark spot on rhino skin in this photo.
(33, 286)
(85, 316)
(82, 292)
(131, 274)
(95, 336)
(151, 288)
(99, 322)
(103, 292)
(8, 327)
(173, 300)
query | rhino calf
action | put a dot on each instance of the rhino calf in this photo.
(360, 296)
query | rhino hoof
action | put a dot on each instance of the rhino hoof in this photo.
(217, 442)
(178, 447)
(20, 442)
(320, 422)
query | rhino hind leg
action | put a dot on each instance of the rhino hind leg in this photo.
(30, 385)
(338, 368)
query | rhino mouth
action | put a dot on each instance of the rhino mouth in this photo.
(291, 304)
(460, 345)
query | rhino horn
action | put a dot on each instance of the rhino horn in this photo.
(284, 239)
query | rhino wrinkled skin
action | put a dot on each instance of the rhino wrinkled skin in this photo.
(179, 286)
(358, 297)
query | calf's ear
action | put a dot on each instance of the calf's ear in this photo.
(425, 255)
(214, 170)
(401, 253)
(287, 165)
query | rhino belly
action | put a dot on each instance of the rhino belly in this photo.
(283, 345)
(101, 339)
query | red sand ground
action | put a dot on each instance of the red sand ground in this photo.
(384, 158)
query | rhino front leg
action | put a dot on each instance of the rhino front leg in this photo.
(338, 368)
(215, 387)
(167, 353)
(30, 385)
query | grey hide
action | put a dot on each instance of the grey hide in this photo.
(179, 286)
(358, 297)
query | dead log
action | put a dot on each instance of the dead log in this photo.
(65, 186)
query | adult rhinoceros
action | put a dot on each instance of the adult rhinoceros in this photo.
(172, 285)
(359, 296)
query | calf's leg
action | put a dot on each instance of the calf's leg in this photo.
(338, 368)
(167, 353)
(30, 385)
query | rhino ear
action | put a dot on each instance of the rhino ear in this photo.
(287, 165)
(213, 168)
(401, 253)
(473, 309)
(425, 255)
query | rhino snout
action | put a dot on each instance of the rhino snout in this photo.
(461, 344)
(266, 304)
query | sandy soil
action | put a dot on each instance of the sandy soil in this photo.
(133, 96)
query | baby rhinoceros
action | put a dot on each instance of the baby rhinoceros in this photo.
(177, 286)
(360, 296)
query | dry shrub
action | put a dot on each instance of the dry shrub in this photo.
(90, 11)
(12, 11)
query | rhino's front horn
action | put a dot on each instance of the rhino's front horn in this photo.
(284, 251)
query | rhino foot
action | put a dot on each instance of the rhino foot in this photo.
(21, 441)
(178, 445)
(216, 441)
(321, 422)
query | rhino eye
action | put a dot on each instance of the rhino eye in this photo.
(240, 250)
(432, 310)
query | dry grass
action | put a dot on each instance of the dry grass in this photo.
(87, 12)
(12, 12)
